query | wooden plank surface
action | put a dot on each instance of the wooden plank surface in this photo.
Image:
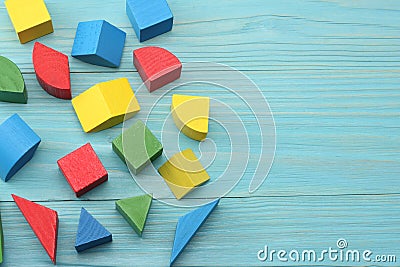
(330, 71)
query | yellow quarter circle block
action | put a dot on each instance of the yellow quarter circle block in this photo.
(30, 18)
(190, 114)
(105, 105)
(183, 172)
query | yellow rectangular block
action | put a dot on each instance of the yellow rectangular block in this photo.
(30, 18)
(105, 104)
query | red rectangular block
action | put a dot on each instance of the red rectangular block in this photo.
(83, 169)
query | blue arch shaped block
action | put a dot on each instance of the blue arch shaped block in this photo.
(18, 143)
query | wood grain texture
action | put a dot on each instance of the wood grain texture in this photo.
(330, 71)
(52, 71)
(83, 169)
(156, 66)
(1, 241)
(18, 144)
(90, 232)
(12, 85)
(44, 223)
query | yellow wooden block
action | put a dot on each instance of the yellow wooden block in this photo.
(105, 105)
(30, 18)
(190, 114)
(183, 172)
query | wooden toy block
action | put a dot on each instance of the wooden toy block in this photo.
(140, 147)
(183, 172)
(52, 71)
(190, 114)
(1, 241)
(187, 227)
(30, 18)
(18, 144)
(83, 169)
(12, 85)
(135, 211)
(100, 43)
(149, 18)
(44, 223)
(90, 232)
(156, 66)
(105, 105)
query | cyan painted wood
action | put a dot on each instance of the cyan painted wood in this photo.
(330, 71)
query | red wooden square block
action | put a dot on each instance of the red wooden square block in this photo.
(83, 169)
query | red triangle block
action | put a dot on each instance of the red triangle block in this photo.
(43, 221)
(156, 66)
(52, 71)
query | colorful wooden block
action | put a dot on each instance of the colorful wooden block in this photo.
(83, 169)
(135, 211)
(183, 172)
(12, 85)
(105, 105)
(190, 114)
(140, 147)
(99, 42)
(18, 143)
(187, 227)
(44, 223)
(156, 66)
(52, 71)
(30, 18)
(149, 18)
(90, 232)
(1, 241)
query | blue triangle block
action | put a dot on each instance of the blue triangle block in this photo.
(90, 232)
(187, 227)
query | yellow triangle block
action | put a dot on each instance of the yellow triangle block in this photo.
(183, 172)
(105, 105)
(190, 114)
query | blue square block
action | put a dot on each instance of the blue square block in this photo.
(149, 18)
(18, 143)
(100, 43)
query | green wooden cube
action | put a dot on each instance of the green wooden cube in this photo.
(137, 146)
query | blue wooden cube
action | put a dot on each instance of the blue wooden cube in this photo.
(18, 143)
(149, 18)
(100, 43)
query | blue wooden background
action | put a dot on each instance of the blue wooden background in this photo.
(331, 73)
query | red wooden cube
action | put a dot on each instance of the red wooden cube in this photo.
(83, 169)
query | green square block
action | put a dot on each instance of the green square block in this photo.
(137, 146)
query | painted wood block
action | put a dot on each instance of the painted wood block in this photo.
(140, 147)
(183, 172)
(1, 241)
(99, 42)
(44, 223)
(12, 84)
(90, 232)
(156, 66)
(105, 105)
(190, 114)
(83, 169)
(187, 227)
(52, 71)
(135, 211)
(30, 18)
(149, 18)
(18, 144)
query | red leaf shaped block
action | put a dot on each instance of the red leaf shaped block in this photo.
(44, 223)
(157, 66)
(52, 71)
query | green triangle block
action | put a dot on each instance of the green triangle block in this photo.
(135, 210)
(1, 241)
